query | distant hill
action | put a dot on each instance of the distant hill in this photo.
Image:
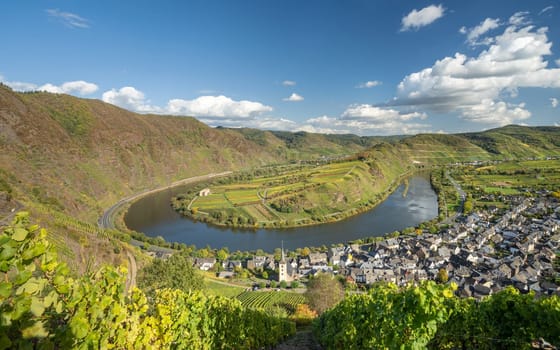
(82, 155)
(67, 159)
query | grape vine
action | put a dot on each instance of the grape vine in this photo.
(42, 306)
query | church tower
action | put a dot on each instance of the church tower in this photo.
(283, 267)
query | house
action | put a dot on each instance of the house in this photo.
(205, 264)
(257, 263)
(204, 192)
(318, 259)
(233, 264)
(335, 254)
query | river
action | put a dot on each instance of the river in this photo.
(154, 216)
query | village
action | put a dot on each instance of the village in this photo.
(481, 253)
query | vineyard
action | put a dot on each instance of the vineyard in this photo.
(272, 299)
(306, 195)
(43, 307)
(431, 316)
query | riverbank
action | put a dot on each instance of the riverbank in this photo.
(311, 195)
(154, 216)
(106, 221)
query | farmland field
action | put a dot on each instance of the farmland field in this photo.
(294, 196)
(509, 178)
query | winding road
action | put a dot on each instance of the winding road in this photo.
(106, 220)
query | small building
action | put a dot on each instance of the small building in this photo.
(203, 193)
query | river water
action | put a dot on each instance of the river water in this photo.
(154, 216)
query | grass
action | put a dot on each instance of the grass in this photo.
(222, 289)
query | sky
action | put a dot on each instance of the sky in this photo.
(366, 67)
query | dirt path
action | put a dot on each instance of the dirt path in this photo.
(303, 340)
(132, 268)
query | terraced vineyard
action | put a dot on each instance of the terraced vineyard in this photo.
(306, 194)
(272, 299)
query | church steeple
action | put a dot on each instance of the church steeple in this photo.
(283, 267)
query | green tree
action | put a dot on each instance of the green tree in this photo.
(176, 272)
(442, 276)
(323, 292)
(222, 254)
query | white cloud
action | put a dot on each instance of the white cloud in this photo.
(515, 59)
(294, 98)
(554, 102)
(366, 119)
(130, 98)
(548, 8)
(496, 113)
(216, 107)
(420, 18)
(21, 86)
(205, 108)
(71, 20)
(369, 84)
(289, 83)
(474, 33)
(519, 19)
(79, 87)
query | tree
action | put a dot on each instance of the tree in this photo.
(305, 251)
(324, 292)
(442, 276)
(294, 284)
(222, 254)
(283, 284)
(176, 272)
(265, 275)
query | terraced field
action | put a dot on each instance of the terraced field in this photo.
(297, 196)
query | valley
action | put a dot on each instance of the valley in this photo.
(66, 160)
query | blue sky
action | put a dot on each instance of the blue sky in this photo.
(356, 66)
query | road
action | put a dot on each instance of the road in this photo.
(106, 220)
(463, 196)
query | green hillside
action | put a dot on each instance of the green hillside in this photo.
(76, 157)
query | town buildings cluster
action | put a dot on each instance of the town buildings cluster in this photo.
(482, 253)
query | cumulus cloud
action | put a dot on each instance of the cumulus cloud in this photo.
(491, 112)
(515, 59)
(294, 98)
(369, 84)
(473, 34)
(216, 107)
(130, 98)
(420, 18)
(206, 108)
(554, 102)
(79, 87)
(289, 83)
(365, 119)
(71, 20)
